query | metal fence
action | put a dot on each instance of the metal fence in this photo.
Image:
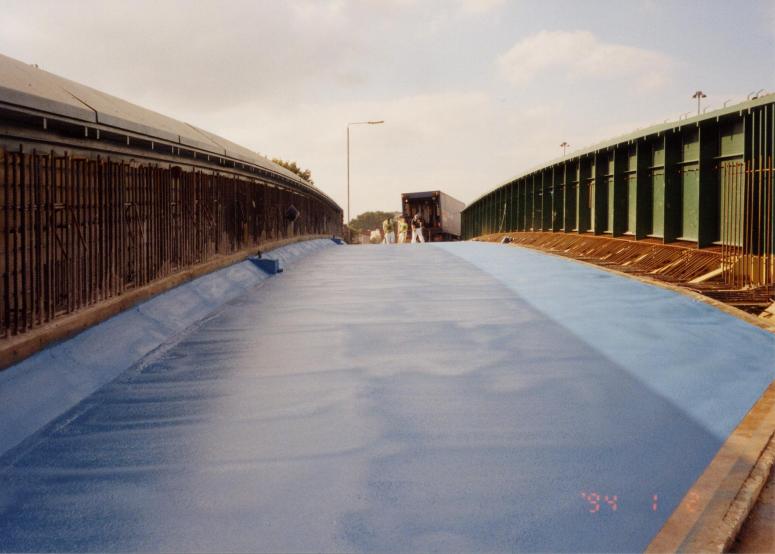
(79, 230)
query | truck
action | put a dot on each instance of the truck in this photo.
(439, 211)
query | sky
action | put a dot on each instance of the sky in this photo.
(472, 92)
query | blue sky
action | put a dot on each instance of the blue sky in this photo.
(473, 92)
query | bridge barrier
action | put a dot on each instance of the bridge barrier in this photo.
(705, 182)
(78, 231)
(52, 381)
(100, 197)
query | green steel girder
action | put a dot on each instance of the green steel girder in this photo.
(619, 201)
(665, 182)
(643, 184)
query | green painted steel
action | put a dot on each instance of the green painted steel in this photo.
(690, 196)
(632, 198)
(657, 203)
(609, 221)
(677, 181)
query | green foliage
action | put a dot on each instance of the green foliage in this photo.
(370, 220)
(305, 174)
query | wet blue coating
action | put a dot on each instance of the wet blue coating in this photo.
(40, 388)
(417, 398)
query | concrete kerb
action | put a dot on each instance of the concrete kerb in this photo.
(43, 386)
(714, 509)
(712, 513)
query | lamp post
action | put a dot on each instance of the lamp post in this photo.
(699, 95)
(348, 159)
(564, 147)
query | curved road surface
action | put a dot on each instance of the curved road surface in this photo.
(460, 397)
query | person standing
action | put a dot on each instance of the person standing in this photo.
(388, 231)
(417, 226)
(403, 229)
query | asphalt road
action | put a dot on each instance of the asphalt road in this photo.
(463, 397)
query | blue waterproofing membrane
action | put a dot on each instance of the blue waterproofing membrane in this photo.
(386, 398)
(712, 365)
(45, 385)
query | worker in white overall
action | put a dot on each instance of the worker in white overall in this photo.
(388, 231)
(403, 229)
(417, 225)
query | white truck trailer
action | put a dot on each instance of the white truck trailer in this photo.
(439, 211)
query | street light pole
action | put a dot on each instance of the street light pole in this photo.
(348, 159)
(699, 95)
(564, 146)
(347, 221)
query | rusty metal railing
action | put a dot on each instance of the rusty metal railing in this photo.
(76, 231)
(748, 223)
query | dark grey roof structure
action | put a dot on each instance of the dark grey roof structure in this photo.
(29, 87)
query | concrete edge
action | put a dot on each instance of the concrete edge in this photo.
(714, 509)
(20, 347)
(752, 488)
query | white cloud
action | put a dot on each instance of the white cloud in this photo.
(479, 6)
(581, 54)
(196, 55)
(314, 10)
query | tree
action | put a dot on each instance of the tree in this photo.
(305, 174)
(370, 220)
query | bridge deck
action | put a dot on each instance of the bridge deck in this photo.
(440, 397)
